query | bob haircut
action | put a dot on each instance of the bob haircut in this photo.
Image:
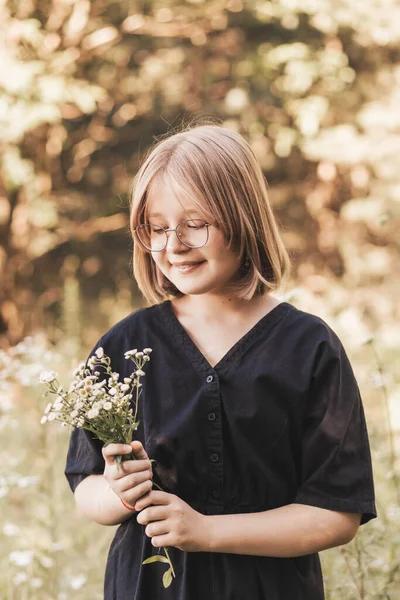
(216, 168)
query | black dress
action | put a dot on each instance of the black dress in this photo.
(278, 420)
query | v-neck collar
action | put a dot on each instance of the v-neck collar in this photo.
(195, 355)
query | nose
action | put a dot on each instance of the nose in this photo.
(173, 243)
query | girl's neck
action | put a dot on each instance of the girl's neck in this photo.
(208, 307)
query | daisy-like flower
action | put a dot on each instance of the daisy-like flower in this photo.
(48, 376)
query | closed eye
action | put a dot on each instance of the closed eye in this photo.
(155, 229)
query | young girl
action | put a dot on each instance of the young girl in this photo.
(250, 407)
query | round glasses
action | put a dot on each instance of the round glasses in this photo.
(193, 233)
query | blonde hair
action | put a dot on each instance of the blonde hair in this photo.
(216, 168)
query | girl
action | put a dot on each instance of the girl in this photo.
(249, 407)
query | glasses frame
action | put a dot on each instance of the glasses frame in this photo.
(206, 224)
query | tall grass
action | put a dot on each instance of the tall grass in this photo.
(48, 551)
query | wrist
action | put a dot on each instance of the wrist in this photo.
(208, 531)
(130, 508)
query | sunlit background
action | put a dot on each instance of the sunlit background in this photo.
(86, 87)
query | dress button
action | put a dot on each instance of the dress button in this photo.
(209, 379)
(214, 457)
(216, 493)
(211, 416)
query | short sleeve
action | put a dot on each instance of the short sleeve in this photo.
(336, 470)
(84, 456)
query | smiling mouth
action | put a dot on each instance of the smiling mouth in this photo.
(186, 267)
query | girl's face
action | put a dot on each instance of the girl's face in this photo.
(211, 268)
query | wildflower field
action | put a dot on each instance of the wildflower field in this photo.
(49, 551)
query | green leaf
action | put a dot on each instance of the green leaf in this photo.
(157, 558)
(167, 578)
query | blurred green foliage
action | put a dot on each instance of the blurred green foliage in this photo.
(87, 86)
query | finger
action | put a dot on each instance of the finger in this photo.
(139, 450)
(109, 452)
(132, 496)
(130, 481)
(157, 528)
(153, 513)
(162, 541)
(154, 497)
(134, 466)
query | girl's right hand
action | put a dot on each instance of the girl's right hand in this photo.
(132, 478)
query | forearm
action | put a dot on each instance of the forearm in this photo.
(292, 530)
(97, 501)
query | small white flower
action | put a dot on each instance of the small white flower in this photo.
(51, 417)
(46, 561)
(147, 350)
(112, 391)
(99, 384)
(43, 420)
(146, 358)
(48, 408)
(130, 353)
(139, 354)
(21, 558)
(58, 406)
(77, 582)
(10, 529)
(64, 424)
(140, 373)
(107, 405)
(127, 380)
(99, 353)
(93, 413)
(125, 387)
(20, 578)
(48, 376)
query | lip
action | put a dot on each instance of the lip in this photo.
(188, 263)
(189, 266)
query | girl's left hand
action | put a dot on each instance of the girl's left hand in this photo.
(172, 522)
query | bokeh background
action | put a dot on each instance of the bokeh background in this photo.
(85, 88)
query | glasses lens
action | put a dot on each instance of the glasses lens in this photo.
(193, 233)
(152, 237)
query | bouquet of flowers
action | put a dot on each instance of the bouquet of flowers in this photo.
(103, 407)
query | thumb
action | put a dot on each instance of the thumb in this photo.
(139, 450)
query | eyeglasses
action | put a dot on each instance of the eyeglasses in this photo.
(193, 233)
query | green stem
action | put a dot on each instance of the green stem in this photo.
(392, 449)
(169, 560)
